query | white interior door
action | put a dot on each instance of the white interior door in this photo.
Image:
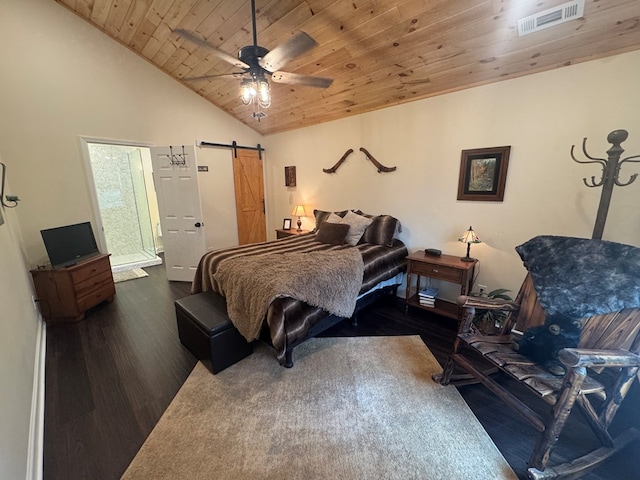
(175, 175)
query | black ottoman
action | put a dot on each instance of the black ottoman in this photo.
(205, 329)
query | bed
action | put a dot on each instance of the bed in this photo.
(371, 264)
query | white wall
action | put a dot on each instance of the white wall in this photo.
(19, 328)
(68, 80)
(540, 116)
(64, 79)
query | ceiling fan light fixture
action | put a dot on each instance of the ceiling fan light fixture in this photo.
(247, 91)
(255, 90)
(258, 63)
(264, 93)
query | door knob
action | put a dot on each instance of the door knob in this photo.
(198, 224)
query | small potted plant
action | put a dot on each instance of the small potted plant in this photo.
(489, 322)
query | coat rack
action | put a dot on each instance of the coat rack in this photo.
(610, 175)
(381, 167)
(176, 158)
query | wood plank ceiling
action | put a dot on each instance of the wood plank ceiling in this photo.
(379, 52)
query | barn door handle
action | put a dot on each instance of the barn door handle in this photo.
(199, 224)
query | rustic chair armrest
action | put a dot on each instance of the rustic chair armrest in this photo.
(484, 303)
(584, 357)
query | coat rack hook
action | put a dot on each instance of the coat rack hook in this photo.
(610, 175)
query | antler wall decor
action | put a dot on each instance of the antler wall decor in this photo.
(381, 167)
(610, 175)
(337, 165)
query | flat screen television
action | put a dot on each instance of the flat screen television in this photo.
(70, 244)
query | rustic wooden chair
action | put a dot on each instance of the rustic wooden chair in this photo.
(610, 341)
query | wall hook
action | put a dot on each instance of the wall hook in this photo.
(10, 198)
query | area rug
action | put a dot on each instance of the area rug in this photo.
(350, 408)
(129, 275)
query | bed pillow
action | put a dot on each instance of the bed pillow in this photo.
(381, 231)
(332, 233)
(357, 225)
(322, 216)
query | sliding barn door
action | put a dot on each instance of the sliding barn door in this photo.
(248, 180)
(175, 176)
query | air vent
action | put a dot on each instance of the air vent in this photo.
(549, 18)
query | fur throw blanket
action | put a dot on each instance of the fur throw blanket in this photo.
(575, 278)
(578, 277)
(330, 280)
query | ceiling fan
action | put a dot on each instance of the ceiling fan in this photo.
(258, 63)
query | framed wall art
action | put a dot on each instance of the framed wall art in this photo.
(290, 176)
(286, 224)
(483, 174)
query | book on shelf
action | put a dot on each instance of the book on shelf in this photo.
(428, 302)
(428, 292)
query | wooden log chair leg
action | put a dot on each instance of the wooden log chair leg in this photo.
(599, 424)
(620, 390)
(445, 377)
(572, 384)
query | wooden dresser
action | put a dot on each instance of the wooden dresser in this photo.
(65, 294)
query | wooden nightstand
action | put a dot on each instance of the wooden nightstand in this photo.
(445, 267)
(280, 233)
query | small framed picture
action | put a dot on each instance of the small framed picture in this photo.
(483, 174)
(286, 224)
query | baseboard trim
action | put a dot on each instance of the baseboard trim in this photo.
(36, 427)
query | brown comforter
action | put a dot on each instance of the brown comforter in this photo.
(288, 319)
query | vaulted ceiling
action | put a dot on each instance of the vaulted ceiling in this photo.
(378, 52)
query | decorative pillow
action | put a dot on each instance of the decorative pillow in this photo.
(332, 233)
(357, 225)
(381, 231)
(333, 218)
(321, 216)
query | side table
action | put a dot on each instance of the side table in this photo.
(448, 268)
(282, 233)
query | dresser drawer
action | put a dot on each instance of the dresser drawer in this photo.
(95, 282)
(84, 272)
(96, 296)
(442, 272)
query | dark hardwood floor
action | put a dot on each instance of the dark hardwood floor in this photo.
(110, 377)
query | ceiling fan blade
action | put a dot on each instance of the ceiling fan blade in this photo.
(193, 38)
(285, 52)
(299, 79)
(208, 77)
